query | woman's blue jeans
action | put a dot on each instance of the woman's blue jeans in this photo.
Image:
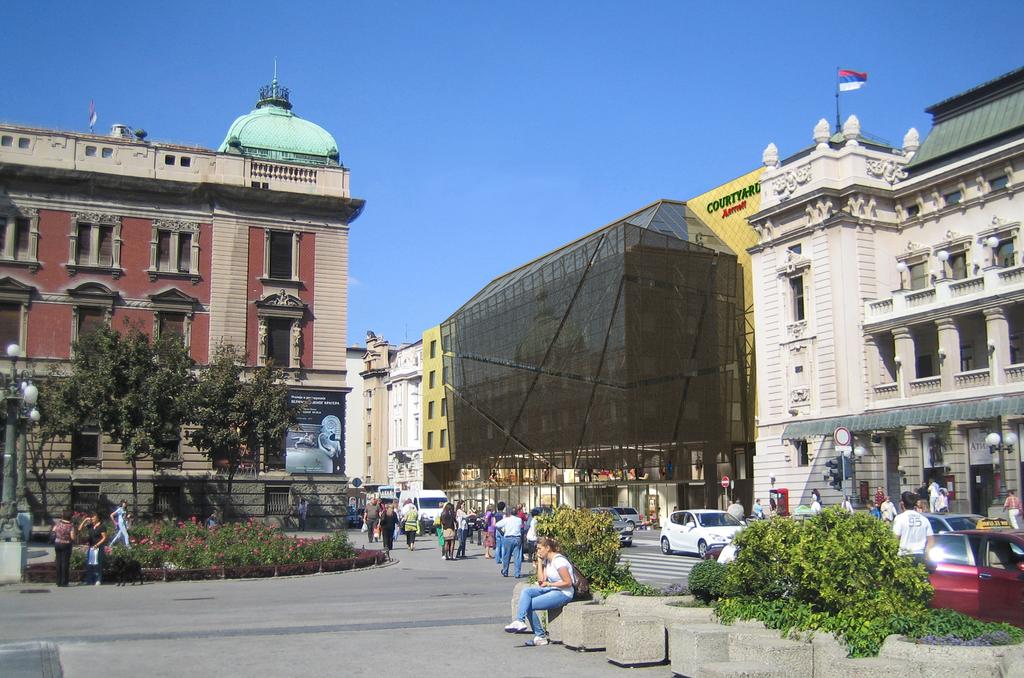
(535, 598)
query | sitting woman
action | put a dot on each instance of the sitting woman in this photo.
(555, 588)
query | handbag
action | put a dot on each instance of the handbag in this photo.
(363, 528)
(93, 557)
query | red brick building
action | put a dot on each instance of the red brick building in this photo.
(245, 245)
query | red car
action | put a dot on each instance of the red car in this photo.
(979, 573)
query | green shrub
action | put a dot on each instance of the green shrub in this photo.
(834, 571)
(707, 580)
(952, 624)
(591, 543)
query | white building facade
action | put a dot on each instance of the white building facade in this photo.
(355, 414)
(405, 449)
(889, 300)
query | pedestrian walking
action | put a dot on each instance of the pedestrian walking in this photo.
(530, 543)
(887, 509)
(63, 536)
(942, 501)
(120, 518)
(461, 529)
(303, 511)
(95, 535)
(448, 526)
(411, 521)
(488, 530)
(879, 496)
(874, 510)
(912, 528)
(511, 528)
(371, 517)
(499, 540)
(1012, 505)
(847, 504)
(555, 588)
(389, 521)
(815, 501)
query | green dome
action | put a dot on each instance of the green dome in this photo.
(272, 132)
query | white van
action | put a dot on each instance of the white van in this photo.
(428, 505)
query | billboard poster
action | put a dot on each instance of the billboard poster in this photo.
(316, 443)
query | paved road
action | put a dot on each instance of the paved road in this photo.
(650, 566)
(419, 617)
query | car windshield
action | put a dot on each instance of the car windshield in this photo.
(432, 502)
(961, 523)
(626, 511)
(718, 520)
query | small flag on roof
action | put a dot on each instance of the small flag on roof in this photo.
(92, 114)
(851, 80)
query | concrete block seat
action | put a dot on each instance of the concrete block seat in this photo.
(635, 640)
(692, 646)
(584, 625)
(794, 658)
(739, 669)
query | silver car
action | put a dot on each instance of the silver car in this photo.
(624, 528)
(629, 514)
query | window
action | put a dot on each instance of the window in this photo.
(952, 198)
(6, 140)
(966, 357)
(696, 465)
(430, 440)
(433, 348)
(279, 255)
(803, 457)
(90, 151)
(913, 211)
(85, 498)
(796, 289)
(24, 142)
(94, 245)
(85, 449)
(795, 249)
(1016, 355)
(430, 410)
(1003, 253)
(14, 239)
(185, 161)
(169, 159)
(276, 500)
(10, 324)
(279, 332)
(918, 276)
(166, 500)
(444, 437)
(432, 379)
(925, 366)
(741, 464)
(444, 407)
(89, 319)
(958, 265)
(107, 153)
(172, 323)
(444, 375)
(1004, 555)
(996, 183)
(950, 549)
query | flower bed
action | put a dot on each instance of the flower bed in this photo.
(189, 551)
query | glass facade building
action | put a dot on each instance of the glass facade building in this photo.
(608, 372)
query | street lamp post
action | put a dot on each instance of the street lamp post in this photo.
(18, 392)
(1001, 446)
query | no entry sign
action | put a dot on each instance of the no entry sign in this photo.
(725, 482)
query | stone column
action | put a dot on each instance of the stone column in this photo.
(906, 370)
(949, 351)
(998, 330)
(873, 358)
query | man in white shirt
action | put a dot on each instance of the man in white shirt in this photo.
(933, 496)
(511, 527)
(815, 502)
(912, 529)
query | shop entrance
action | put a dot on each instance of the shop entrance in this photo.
(892, 469)
(981, 489)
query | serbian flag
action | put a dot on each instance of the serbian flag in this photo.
(92, 114)
(851, 80)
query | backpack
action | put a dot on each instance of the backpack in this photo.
(580, 584)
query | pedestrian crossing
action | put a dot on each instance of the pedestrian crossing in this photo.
(657, 569)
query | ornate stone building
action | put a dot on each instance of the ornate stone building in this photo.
(246, 245)
(889, 300)
(405, 448)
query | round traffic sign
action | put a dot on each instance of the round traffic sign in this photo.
(842, 436)
(725, 482)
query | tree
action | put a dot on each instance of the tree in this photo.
(229, 411)
(132, 388)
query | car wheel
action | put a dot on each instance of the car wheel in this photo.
(665, 547)
(632, 525)
(702, 548)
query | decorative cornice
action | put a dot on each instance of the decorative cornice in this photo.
(785, 185)
(98, 218)
(176, 225)
(890, 170)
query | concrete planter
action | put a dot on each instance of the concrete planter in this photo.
(584, 626)
(635, 640)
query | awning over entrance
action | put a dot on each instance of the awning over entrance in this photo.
(969, 410)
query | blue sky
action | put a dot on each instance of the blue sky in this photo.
(484, 134)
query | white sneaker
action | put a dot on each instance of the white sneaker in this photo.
(518, 626)
(538, 641)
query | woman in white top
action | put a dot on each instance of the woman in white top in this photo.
(555, 588)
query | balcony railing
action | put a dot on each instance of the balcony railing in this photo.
(921, 298)
(965, 287)
(886, 391)
(972, 379)
(925, 385)
(1014, 373)
(992, 281)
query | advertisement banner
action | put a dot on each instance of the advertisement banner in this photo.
(316, 444)
(980, 454)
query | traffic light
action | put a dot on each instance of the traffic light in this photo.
(834, 474)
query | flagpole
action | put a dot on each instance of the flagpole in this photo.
(839, 126)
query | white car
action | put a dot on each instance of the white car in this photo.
(694, 531)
